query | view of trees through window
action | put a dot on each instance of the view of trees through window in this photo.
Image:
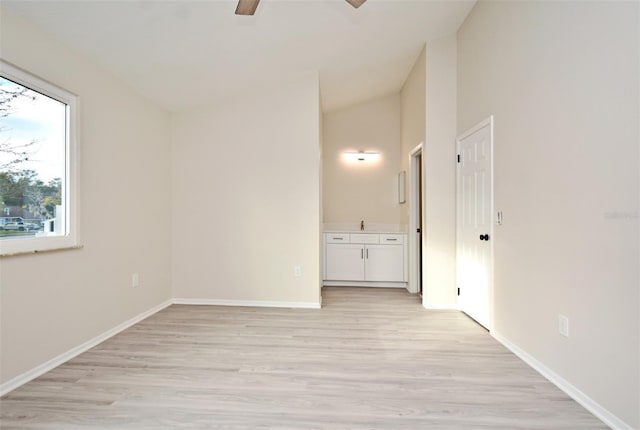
(33, 129)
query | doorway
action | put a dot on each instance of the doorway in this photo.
(474, 222)
(416, 220)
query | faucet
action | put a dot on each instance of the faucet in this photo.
(362, 225)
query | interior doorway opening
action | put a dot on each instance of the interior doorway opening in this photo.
(416, 220)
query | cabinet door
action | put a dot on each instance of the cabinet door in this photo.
(344, 262)
(384, 263)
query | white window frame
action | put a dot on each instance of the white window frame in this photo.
(71, 238)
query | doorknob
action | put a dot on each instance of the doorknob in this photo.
(484, 237)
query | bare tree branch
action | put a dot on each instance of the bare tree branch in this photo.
(9, 95)
(15, 152)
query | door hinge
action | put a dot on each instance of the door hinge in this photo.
(458, 158)
(458, 290)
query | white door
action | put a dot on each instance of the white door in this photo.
(384, 263)
(344, 262)
(474, 261)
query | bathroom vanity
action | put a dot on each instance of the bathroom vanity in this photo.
(368, 259)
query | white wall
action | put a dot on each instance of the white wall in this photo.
(245, 198)
(413, 119)
(429, 117)
(362, 191)
(412, 132)
(561, 79)
(439, 287)
(53, 302)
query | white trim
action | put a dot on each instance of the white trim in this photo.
(414, 264)
(588, 403)
(43, 368)
(366, 284)
(70, 190)
(248, 303)
(485, 122)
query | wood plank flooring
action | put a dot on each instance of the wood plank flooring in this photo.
(369, 359)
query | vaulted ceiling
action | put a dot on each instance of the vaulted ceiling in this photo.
(186, 53)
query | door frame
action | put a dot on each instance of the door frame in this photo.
(484, 123)
(414, 214)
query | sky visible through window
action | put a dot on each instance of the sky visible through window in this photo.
(36, 123)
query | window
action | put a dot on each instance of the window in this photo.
(38, 198)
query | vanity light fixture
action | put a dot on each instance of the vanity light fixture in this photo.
(361, 156)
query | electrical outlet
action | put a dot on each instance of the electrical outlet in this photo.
(563, 325)
(297, 271)
(135, 280)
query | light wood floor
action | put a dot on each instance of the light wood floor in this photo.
(370, 359)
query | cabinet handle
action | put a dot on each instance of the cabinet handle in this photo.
(361, 254)
(367, 254)
(338, 238)
(390, 239)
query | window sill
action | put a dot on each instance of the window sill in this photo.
(41, 251)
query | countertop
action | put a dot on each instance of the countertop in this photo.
(363, 232)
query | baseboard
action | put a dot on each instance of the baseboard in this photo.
(588, 403)
(43, 368)
(249, 303)
(366, 284)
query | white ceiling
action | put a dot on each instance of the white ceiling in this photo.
(186, 53)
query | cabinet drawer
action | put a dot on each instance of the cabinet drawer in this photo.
(364, 238)
(392, 239)
(337, 237)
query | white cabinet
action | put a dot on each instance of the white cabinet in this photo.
(364, 258)
(345, 262)
(384, 263)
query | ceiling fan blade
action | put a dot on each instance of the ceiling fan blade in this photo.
(356, 3)
(247, 7)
